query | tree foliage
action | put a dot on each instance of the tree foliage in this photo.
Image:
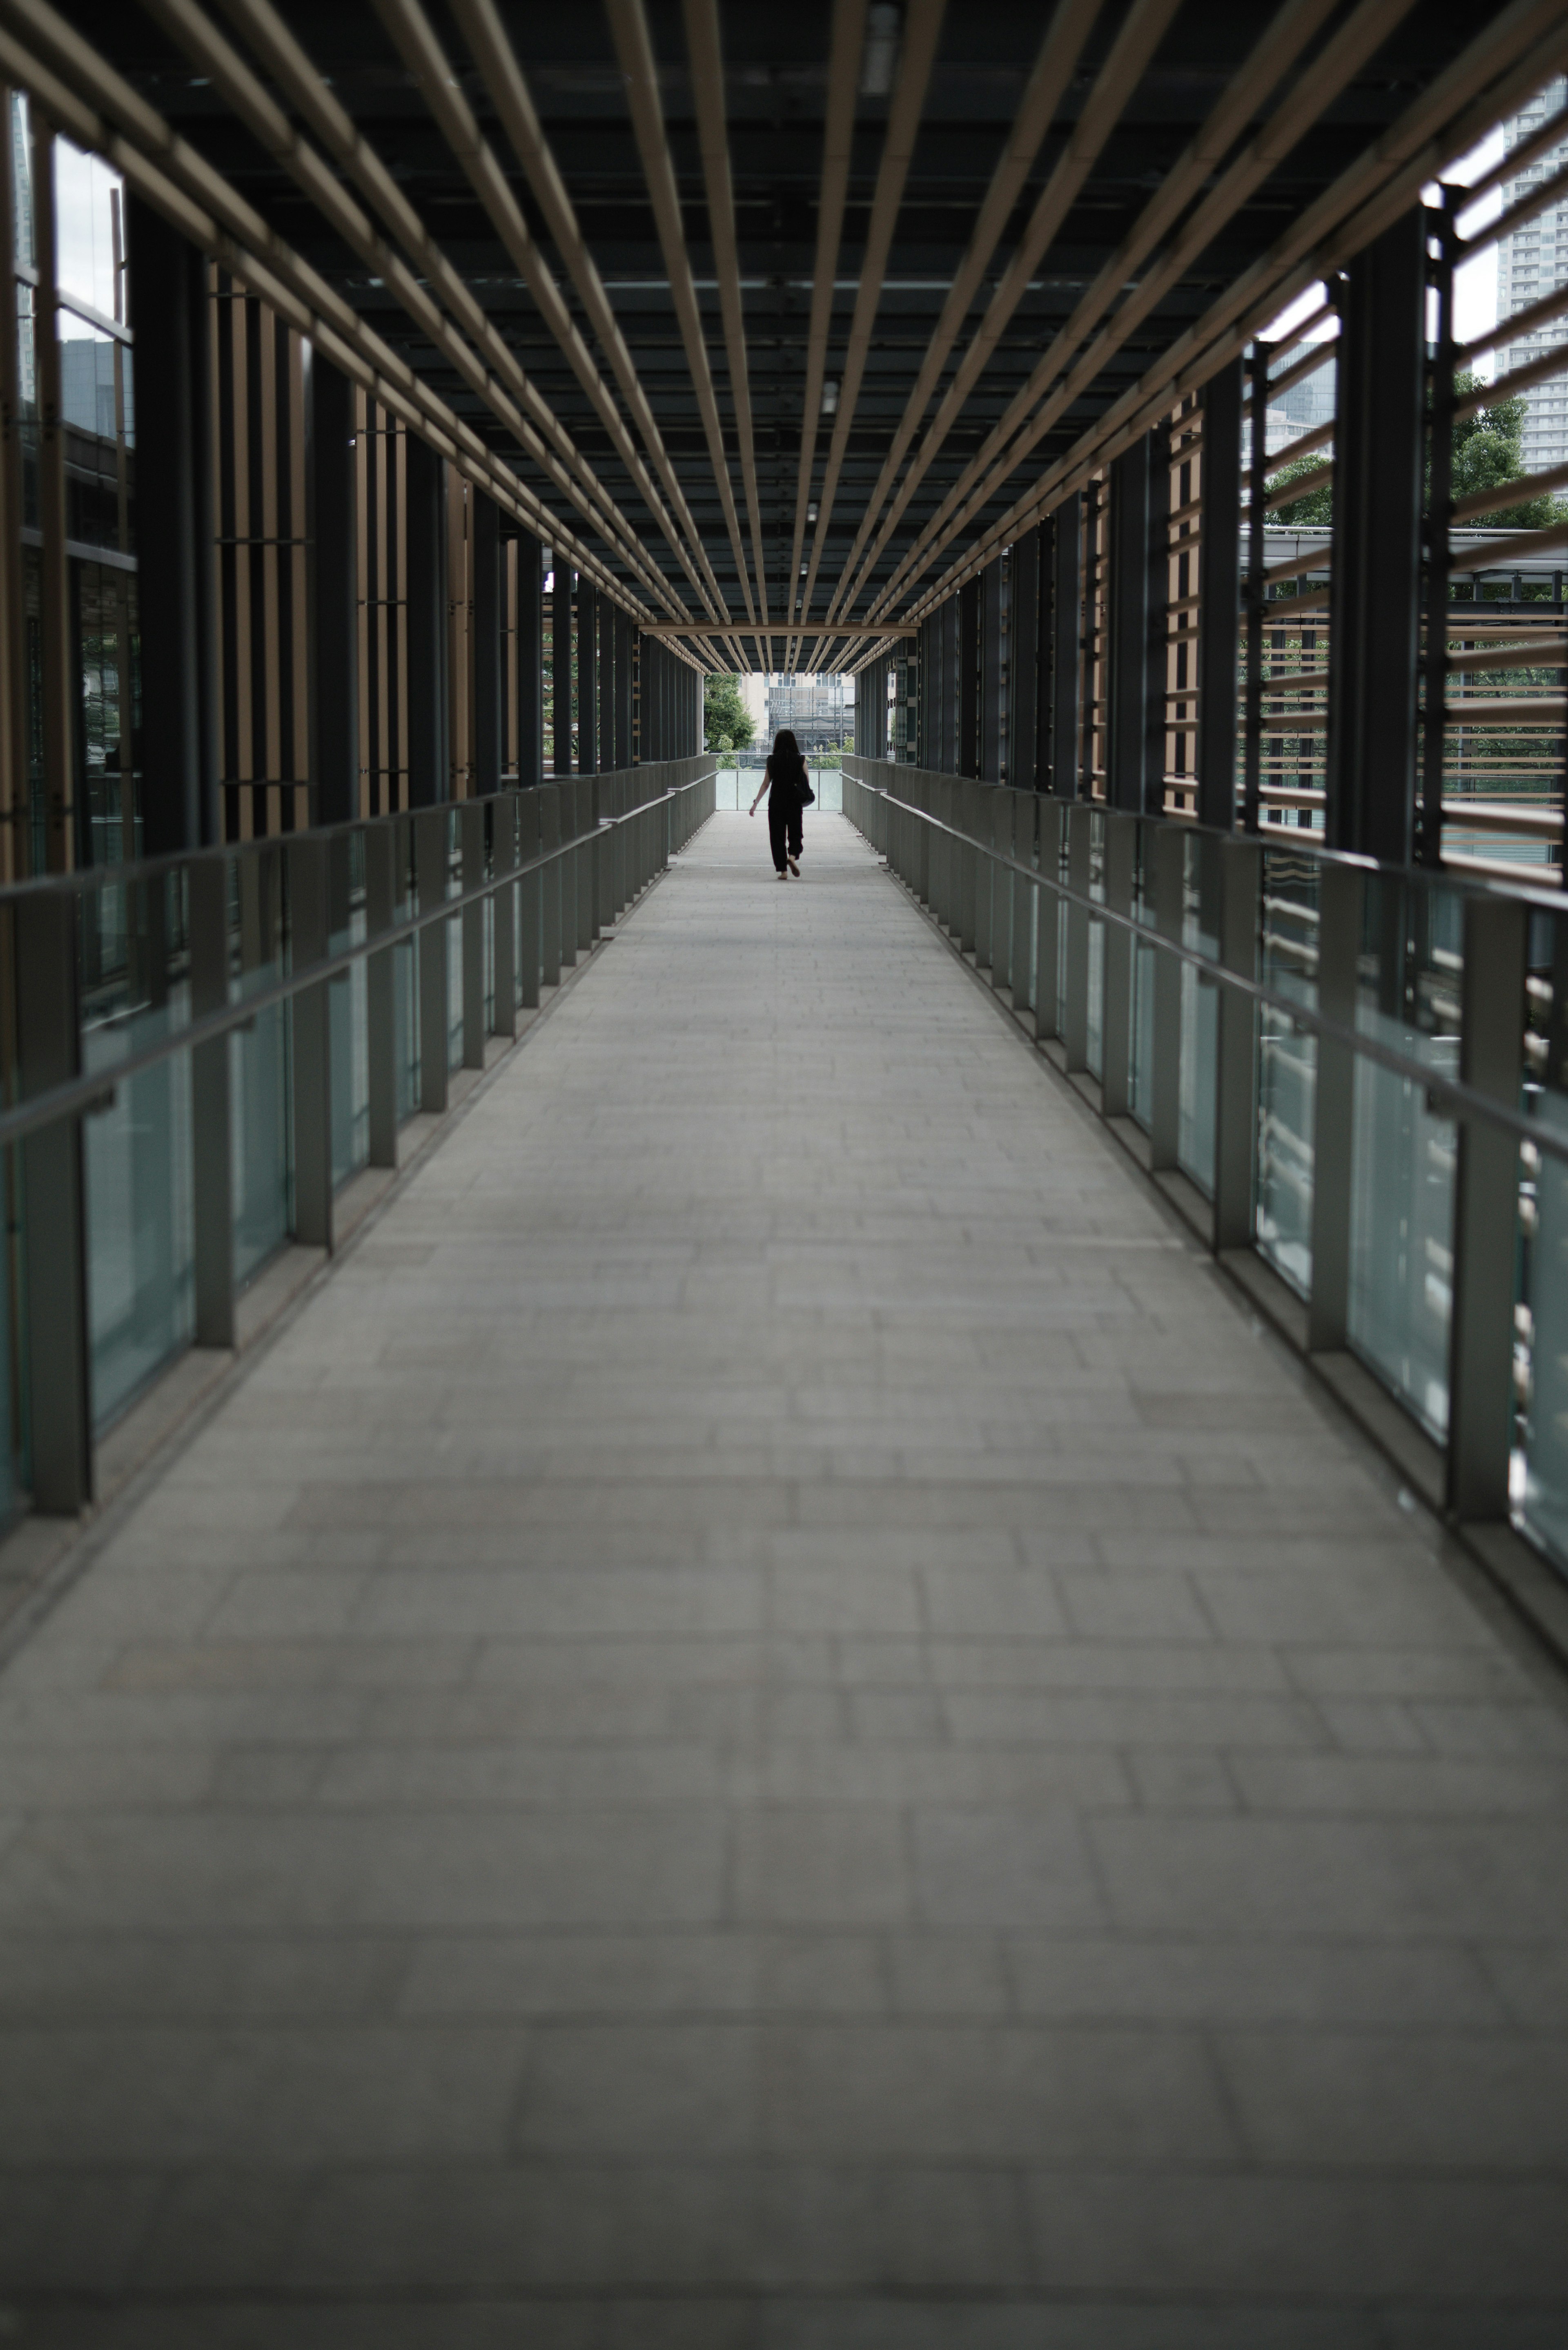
(1488, 454)
(1488, 451)
(1315, 510)
(726, 721)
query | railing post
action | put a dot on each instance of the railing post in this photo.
(471, 833)
(1486, 1213)
(1167, 850)
(969, 866)
(598, 880)
(431, 859)
(585, 859)
(1236, 1054)
(504, 861)
(309, 920)
(530, 894)
(1025, 843)
(380, 993)
(1116, 1018)
(211, 1168)
(1339, 914)
(1048, 918)
(1076, 1004)
(566, 865)
(49, 1042)
(982, 800)
(550, 891)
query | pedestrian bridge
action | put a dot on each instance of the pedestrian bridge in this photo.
(775, 1712)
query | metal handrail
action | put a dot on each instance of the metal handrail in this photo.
(1446, 1091)
(83, 1094)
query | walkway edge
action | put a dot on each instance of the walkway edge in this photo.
(42, 1556)
(1513, 1572)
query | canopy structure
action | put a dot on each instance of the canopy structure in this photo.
(784, 315)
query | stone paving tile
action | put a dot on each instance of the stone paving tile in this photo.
(773, 1725)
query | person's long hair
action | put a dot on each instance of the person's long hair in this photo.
(788, 765)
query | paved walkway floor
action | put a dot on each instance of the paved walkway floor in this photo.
(772, 1725)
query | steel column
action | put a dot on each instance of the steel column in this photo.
(489, 757)
(1066, 645)
(528, 664)
(1218, 612)
(175, 536)
(1376, 571)
(429, 751)
(332, 472)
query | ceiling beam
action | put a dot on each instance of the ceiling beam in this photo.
(838, 141)
(1053, 68)
(1357, 39)
(1131, 53)
(483, 361)
(96, 107)
(921, 29)
(412, 36)
(798, 629)
(708, 92)
(479, 22)
(1517, 52)
(640, 70)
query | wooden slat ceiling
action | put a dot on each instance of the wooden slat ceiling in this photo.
(759, 300)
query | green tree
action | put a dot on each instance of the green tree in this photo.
(1488, 451)
(1488, 454)
(726, 721)
(1313, 511)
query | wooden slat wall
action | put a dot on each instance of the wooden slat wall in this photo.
(380, 448)
(259, 503)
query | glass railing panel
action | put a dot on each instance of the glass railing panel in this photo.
(1404, 1156)
(1287, 1066)
(1141, 1095)
(261, 1159)
(453, 930)
(11, 1431)
(1199, 1013)
(405, 979)
(1097, 1040)
(348, 1017)
(1539, 1467)
(136, 1150)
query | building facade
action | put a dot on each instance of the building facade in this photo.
(816, 710)
(1533, 262)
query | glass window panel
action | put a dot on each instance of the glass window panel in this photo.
(88, 196)
(26, 251)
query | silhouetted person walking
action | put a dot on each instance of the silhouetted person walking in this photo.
(789, 794)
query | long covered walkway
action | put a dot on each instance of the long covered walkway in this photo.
(772, 1722)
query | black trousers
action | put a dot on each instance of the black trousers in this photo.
(783, 828)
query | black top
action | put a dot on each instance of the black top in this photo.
(783, 782)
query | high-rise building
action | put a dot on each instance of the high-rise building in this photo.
(1533, 263)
